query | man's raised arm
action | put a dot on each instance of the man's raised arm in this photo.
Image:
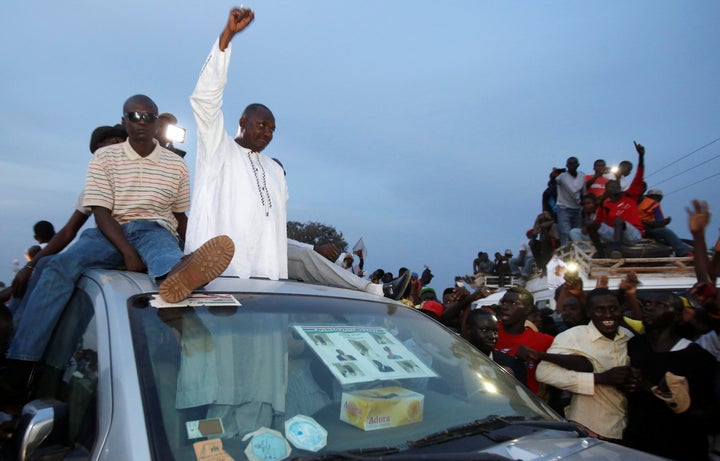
(207, 97)
(238, 20)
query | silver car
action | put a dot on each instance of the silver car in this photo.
(269, 370)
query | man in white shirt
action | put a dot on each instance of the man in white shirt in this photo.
(570, 187)
(241, 192)
(238, 190)
(522, 263)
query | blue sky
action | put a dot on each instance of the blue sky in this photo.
(427, 128)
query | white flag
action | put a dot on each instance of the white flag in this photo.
(360, 245)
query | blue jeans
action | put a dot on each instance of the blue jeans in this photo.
(630, 233)
(576, 235)
(17, 305)
(663, 233)
(568, 218)
(524, 271)
(157, 247)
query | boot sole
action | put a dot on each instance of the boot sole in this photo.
(206, 264)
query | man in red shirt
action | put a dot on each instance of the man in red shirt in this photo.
(595, 183)
(514, 309)
(617, 217)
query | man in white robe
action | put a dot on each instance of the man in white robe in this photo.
(241, 192)
(238, 191)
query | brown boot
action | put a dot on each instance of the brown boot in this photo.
(197, 269)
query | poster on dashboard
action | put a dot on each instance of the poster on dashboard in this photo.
(363, 354)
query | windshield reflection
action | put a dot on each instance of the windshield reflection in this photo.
(358, 374)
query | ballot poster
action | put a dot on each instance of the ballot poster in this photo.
(198, 300)
(362, 354)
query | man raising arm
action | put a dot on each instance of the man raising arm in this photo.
(238, 191)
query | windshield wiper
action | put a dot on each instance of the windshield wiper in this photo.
(553, 425)
(479, 426)
(361, 454)
(391, 454)
(487, 426)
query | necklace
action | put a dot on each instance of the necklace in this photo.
(261, 185)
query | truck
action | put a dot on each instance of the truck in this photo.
(653, 272)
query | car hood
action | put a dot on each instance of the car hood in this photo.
(554, 445)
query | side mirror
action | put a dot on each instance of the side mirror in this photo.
(39, 420)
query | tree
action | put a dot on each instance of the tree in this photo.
(315, 233)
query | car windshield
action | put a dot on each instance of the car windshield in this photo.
(327, 374)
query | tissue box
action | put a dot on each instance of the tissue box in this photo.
(381, 408)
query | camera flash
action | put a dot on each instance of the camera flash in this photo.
(175, 133)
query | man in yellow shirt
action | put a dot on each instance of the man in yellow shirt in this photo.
(597, 402)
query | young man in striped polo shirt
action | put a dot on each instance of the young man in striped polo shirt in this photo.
(139, 193)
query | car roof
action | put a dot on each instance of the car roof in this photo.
(127, 284)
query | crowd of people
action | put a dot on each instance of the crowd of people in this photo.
(634, 367)
(638, 370)
(505, 265)
(607, 208)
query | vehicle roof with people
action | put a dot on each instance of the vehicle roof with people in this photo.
(653, 272)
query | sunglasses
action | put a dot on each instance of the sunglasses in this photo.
(137, 116)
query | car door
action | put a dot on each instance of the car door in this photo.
(68, 379)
